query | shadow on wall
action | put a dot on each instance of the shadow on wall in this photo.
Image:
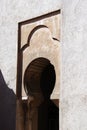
(7, 106)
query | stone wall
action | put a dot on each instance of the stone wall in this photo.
(73, 100)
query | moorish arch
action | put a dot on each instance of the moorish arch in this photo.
(45, 47)
(38, 73)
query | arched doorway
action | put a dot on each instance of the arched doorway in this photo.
(39, 82)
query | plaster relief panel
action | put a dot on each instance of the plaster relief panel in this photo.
(38, 47)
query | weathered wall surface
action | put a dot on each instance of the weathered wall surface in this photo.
(73, 110)
(12, 12)
(74, 65)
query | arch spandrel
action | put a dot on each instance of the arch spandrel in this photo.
(52, 22)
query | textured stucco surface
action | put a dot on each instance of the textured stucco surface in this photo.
(12, 12)
(74, 65)
(73, 99)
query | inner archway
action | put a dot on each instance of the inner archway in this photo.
(39, 82)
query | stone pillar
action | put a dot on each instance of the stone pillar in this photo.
(19, 115)
(31, 120)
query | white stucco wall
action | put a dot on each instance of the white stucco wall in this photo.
(73, 101)
(12, 12)
(73, 93)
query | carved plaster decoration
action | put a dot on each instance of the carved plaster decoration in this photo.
(39, 38)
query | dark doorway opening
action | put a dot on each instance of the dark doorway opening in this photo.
(39, 82)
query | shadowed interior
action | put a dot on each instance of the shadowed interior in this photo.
(39, 77)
